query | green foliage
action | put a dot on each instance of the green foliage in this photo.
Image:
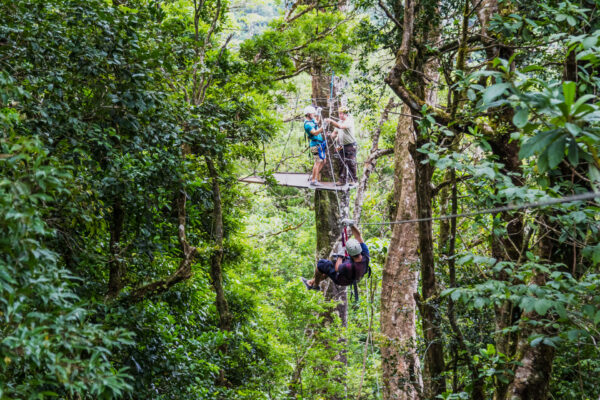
(109, 112)
(102, 92)
(49, 346)
(318, 36)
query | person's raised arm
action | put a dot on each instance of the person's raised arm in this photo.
(332, 122)
(341, 124)
(315, 131)
(356, 234)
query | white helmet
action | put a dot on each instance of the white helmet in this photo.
(353, 247)
(309, 110)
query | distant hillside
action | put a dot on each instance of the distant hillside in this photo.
(253, 16)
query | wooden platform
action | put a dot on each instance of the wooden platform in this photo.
(296, 180)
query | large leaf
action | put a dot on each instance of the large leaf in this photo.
(556, 152)
(520, 118)
(538, 143)
(580, 101)
(542, 306)
(569, 90)
(494, 91)
(589, 42)
(573, 152)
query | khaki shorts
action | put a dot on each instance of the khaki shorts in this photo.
(315, 152)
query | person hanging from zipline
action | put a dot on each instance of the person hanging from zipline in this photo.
(317, 143)
(345, 147)
(347, 270)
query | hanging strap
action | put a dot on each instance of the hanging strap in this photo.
(354, 280)
(344, 239)
(353, 267)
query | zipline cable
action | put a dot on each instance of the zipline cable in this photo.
(559, 200)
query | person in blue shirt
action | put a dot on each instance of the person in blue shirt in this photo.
(347, 270)
(317, 143)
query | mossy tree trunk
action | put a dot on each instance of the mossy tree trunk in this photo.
(400, 362)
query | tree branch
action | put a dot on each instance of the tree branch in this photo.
(183, 272)
(321, 35)
(211, 77)
(289, 19)
(389, 14)
(298, 72)
(435, 190)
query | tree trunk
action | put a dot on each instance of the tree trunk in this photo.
(434, 381)
(447, 240)
(216, 270)
(400, 362)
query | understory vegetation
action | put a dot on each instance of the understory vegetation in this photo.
(135, 262)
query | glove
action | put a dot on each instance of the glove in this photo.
(348, 222)
(319, 109)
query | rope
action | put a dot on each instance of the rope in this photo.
(344, 240)
(567, 199)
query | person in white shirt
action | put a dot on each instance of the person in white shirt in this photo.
(346, 147)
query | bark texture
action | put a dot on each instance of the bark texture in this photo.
(400, 362)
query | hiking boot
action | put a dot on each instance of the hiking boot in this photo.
(309, 287)
(315, 183)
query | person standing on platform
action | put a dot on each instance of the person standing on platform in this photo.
(317, 143)
(346, 147)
